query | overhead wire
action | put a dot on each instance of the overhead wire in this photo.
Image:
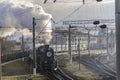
(70, 14)
(43, 28)
(74, 11)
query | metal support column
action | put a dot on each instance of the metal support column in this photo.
(83, 1)
(108, 57)
(117, 15)
(78, 47)
(0, 59)
(22, 46)
(56, 44)
(34, 51)
(61, 42)
(65, 43)
(69, 44)
(111, 42)
(89, 43)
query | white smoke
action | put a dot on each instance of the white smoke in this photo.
(19, 14)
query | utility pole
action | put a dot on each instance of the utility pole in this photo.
(117, 16)
(69, 44)
(22, 46)
(0, 59)
(22, 43)
(108, 57)
(89, 42)
(112, 42)
(61, 42)
(78, 47)
(34, 51)
(65, 43)
(83, 1)
(56, 44)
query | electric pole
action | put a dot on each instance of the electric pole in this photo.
(69, 44)
(117, 16)
(88, 42)
(22, 46)
(34, 51)
(0, 59)
(78, 48)
(83, 1)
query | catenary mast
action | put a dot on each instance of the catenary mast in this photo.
(117, 16)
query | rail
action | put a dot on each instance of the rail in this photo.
(96, 65)
(57, 75)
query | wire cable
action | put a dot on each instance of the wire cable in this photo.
(44, 27)
(74, 11)
(70, 14)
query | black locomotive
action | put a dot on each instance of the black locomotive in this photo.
(45, 58)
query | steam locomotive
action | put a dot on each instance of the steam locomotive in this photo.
(45, 58)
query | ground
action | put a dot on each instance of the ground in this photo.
(73, 69)
(21, 70)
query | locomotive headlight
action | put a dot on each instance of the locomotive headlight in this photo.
(49, 54)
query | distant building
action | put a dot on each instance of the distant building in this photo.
(60, 37)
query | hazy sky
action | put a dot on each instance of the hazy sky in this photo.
(74, 9)
(78, 11)
(64, 10)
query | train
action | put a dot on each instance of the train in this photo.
(45, 58)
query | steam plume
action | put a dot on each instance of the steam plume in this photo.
(18, 15)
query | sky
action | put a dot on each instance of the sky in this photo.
(78, 11)
(75, 10)
(17, 16)
(63, 8)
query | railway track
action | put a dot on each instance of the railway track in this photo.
(97, 66)
(103, 66)
(56, 75)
